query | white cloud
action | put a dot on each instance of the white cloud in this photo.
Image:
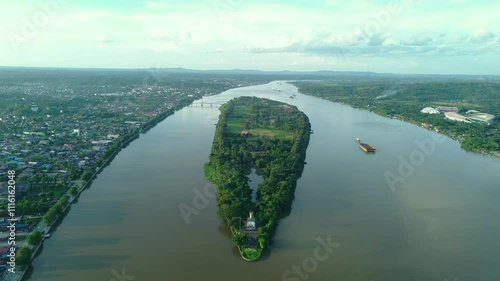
(419, 39)
(378, 39)
(482, 36)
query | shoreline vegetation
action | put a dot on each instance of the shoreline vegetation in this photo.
(405, 98)
(271, 137)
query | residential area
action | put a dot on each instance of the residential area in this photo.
(56, 135)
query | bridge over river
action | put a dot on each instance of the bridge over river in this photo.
(205, 104)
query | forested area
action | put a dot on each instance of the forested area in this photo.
(404, 98)
(276, 143)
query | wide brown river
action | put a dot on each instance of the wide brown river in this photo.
(420, 209)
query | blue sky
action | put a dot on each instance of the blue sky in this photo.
(406, 36)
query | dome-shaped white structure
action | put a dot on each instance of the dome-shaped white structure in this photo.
(430, 110)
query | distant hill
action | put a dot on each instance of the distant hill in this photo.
(262, 72)
(283, 74)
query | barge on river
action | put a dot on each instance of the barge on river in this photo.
(366, 147)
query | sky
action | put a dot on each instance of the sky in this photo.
(402, 36)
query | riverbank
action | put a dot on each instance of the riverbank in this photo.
(47, 229)
(404, 101)
(81, 186)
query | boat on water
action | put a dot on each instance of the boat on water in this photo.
(366, 147)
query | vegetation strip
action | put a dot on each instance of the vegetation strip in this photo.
(271, 137)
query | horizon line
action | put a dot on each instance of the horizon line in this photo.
(244, 69)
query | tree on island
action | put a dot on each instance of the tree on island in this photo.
(240, 239)
(263, 238)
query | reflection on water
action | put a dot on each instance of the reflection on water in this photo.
(440, 222)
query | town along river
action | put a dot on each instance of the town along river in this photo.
(440, 223)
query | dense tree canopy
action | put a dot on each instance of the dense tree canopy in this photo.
(263, 134)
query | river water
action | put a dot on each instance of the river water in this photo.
(438, 222)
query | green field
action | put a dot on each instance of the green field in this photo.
(241, 110)
(270, 133)
(234, 125)
(239, 120)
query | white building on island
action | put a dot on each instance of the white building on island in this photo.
(251, 222)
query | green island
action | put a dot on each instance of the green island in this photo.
(271, 137)
(404, 98)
